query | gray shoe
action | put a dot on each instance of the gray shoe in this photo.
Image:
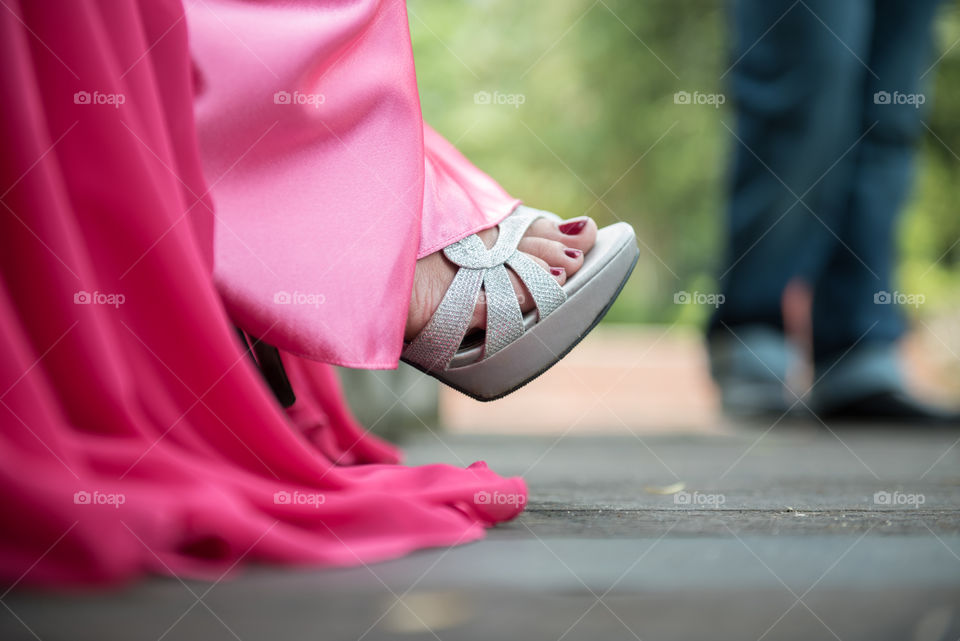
(866, 386)
(867, 369)
(750, 364)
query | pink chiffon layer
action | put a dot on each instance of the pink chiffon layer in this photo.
(136, 435)
(327, 184)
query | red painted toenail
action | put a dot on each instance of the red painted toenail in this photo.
(574, 227)
(572, 253)
(556, 271)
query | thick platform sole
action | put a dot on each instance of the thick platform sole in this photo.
(590, 294)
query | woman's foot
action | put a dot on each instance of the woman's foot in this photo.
(557, 247)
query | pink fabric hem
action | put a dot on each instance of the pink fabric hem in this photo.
(487, 224)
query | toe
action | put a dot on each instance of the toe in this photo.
(553, 253)
(558, 272)
(577, 233)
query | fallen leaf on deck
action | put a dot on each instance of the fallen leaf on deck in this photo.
(673, 488)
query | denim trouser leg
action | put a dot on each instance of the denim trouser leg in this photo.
(862, 260)
(821, 170)
(797, 85)
(856, 320)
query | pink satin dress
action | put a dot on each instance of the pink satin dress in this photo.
(326, 182)
(136, 435)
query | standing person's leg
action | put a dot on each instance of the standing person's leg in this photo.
(856, 322)
(796, 82)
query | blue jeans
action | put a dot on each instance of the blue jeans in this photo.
(826, 96)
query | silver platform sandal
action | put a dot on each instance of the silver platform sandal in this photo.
(515, 349)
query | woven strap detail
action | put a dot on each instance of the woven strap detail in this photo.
(504, 318)
(546, 292)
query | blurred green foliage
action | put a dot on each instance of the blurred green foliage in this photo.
(598, 132)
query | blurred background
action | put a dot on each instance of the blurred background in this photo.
(571, 106)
